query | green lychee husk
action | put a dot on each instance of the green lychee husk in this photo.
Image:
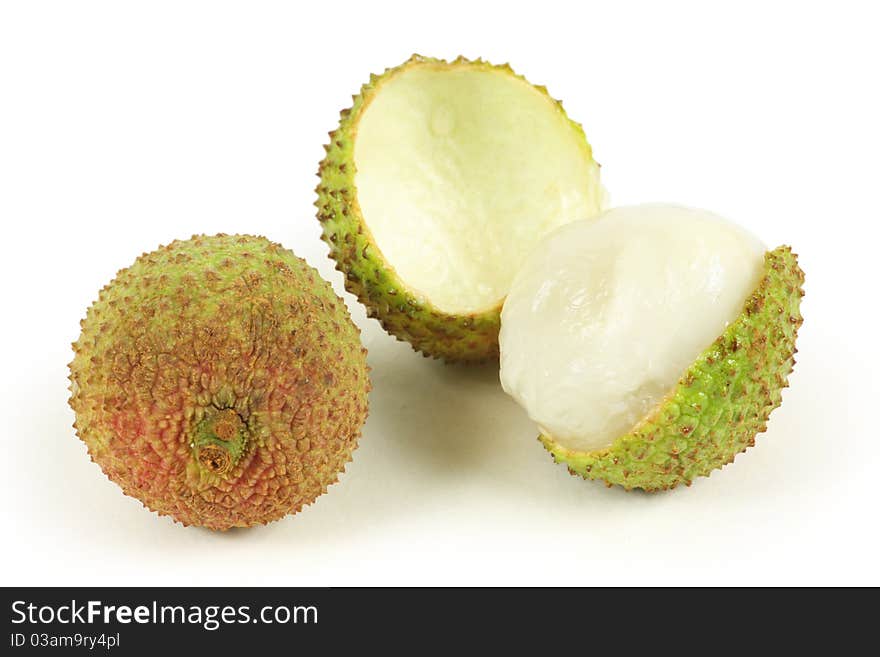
(720, 404)
(220, 381)
(405, 314)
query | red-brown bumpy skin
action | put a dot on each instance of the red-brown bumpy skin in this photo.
(220, 381)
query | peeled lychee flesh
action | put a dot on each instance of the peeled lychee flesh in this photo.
(607, 314)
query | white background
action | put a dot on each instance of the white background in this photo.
(123, 126)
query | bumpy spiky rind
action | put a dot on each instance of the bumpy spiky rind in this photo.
(721, 403)
(228, 328)
(404, 313)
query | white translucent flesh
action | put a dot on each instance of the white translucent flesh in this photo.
(606, 315)
(459, 172)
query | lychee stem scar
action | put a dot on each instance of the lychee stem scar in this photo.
(220, 440)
